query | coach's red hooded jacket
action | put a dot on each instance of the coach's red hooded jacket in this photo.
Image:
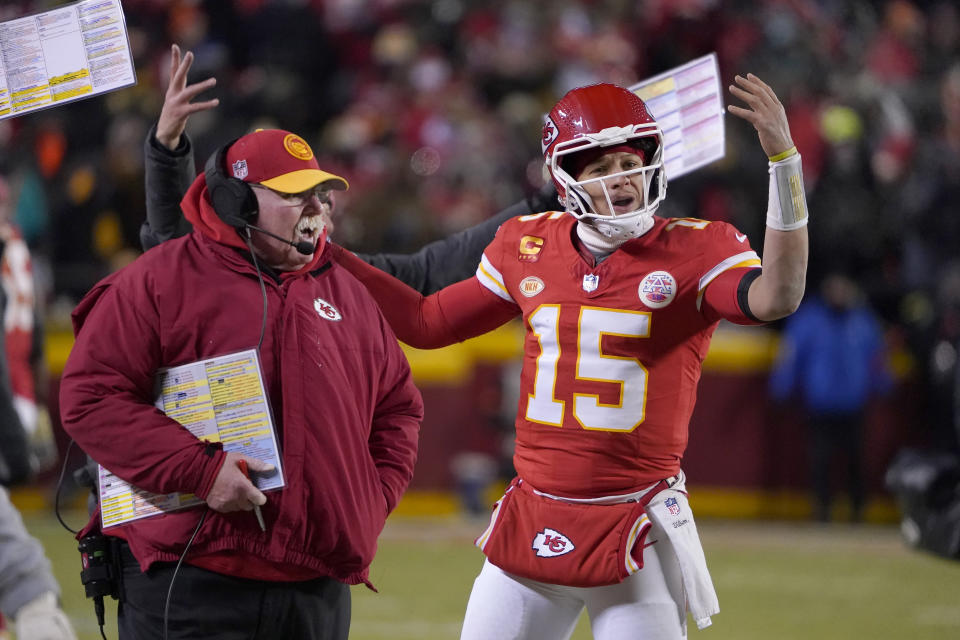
(343, 400)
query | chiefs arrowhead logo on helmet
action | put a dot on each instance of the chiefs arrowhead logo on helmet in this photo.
(550, 133)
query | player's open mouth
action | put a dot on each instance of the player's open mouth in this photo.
(623, 204)
(308, 229)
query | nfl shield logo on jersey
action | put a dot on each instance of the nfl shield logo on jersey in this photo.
(657, 289)
(672, 506)
(591, 282)
(549, 543)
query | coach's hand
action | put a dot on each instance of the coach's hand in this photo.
(232, 490)
(176, 103)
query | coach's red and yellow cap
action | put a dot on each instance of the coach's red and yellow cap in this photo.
(280, 160)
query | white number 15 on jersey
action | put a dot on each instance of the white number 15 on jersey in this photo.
(592, 364)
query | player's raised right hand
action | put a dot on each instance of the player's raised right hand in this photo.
(764, 111)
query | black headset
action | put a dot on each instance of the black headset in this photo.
(232, 198)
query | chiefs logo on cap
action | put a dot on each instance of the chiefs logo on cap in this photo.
(297, 147)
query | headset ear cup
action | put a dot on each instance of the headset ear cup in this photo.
(234, 203)
(249, 207)
(233, 200)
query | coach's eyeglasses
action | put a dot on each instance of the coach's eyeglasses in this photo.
(301, 199)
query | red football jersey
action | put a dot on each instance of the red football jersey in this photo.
(612, 352)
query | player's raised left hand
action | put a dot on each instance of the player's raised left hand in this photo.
(765, 113)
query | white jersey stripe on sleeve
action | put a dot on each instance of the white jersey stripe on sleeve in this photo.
(490, 269)
(745, 259)
(489, 277)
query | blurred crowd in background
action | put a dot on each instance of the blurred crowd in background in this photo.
(433, 108)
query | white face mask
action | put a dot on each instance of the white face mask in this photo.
(618, 226)
(614, 229)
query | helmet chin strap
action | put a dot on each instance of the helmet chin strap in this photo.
(603, 237)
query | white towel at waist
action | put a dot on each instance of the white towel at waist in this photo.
(670, 509)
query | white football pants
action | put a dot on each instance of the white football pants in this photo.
(649, 605)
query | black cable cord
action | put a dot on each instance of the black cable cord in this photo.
(56, 498)
(263, 288)
(166, 604)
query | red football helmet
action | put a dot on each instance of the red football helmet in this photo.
(604, 115)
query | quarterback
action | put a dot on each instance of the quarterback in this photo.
(619, 307)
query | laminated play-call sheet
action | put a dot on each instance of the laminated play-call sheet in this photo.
(220, 399)
(68, 53)
(687, 103)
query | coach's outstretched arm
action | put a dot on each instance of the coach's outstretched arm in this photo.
(455, 258)
(777, 292)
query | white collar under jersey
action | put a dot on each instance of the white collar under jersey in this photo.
(601, 245)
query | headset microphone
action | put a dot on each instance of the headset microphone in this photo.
(303, 247)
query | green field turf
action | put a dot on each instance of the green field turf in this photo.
(780, 581)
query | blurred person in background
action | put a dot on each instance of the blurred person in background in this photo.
(255, 272)
(944, 362)
(619, 307)
(17, 459)
(24, 338)
(832, 353)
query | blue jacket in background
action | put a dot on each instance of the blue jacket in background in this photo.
(835, 358)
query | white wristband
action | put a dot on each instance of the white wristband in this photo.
(787, 204)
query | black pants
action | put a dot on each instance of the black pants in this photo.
(205, 604)
(830, 435)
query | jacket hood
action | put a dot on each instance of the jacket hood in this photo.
(199, 212)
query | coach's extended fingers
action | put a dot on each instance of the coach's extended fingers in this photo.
(178, 102)
(174, 60)
(192, 91)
